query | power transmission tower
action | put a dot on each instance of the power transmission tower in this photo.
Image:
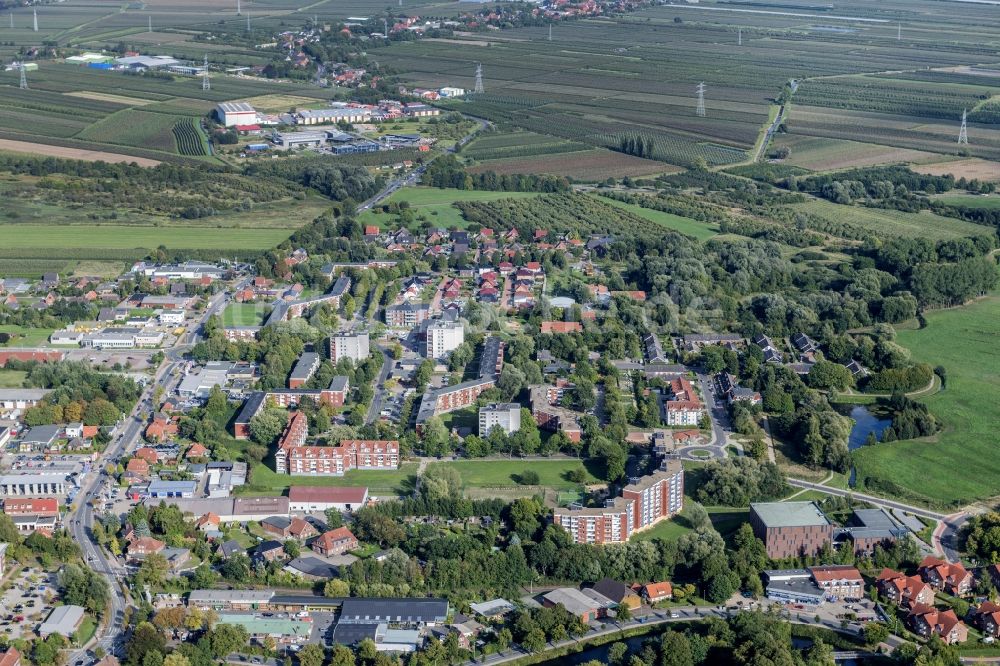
(12, 19)
(238, 12)
(550, 32)
(963, 133)
(248, 20)
(479, 79)
(24, 77)
(739, 36)
(899, 31)
(34, 16)
(150, 28)
(205, 83)
(385, 28)
(700, 110)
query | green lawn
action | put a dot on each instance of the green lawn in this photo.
(86, 630)
(26, 337)
(990, 201)
(685, 225)
(245, 314)
(504, 473)
(435, 205)
(893, 223)
(389, 482)
(936, 470)
(12, 378)
(128, 237)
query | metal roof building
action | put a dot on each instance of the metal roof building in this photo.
(64, 620)
(408, 611)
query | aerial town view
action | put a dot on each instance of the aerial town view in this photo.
(455, 332)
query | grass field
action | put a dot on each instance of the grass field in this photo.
(939, 469)
(504, 473)
(245, 314)
(435, 204)
(128, 237)
(990, 201)
(389, 482)
(12, 378)
(26, 337)
(588, 166)
(893, 223)
(987, 170)
(685, 225)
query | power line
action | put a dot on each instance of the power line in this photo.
(700, 110)
(479, 79)
(963, 133)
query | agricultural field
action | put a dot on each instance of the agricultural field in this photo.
(593, 165)
(970, 169)
(820, 154)
(435, 205)
(893, 223)
(963, 340)
(88, 240)
(600, 81)
(78, 108)
(989, 201)
(699, 230)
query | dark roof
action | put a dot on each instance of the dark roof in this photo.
(279, 522)
(394, 610)
(612, 589)
(230, 548)
(313, 566)
(270, 544)
(251, 407)
(351, 634)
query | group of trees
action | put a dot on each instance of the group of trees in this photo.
(79, 393)
(740, 481)
(448, 172)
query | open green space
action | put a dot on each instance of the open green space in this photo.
(988, 201)
(244, 314)
(939, 470)
(26, 337)
(128, 237)
(12, 378)
(504, 473)
(685, 225)
(388, 482)
(435, 205)
(893, 223)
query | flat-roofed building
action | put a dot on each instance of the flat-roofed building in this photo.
(32, 485)
(355, 346)
(236, 113)
(443, 337)
(503, 415)
(63, 620)
(790, 529)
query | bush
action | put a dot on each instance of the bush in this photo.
(529, 478)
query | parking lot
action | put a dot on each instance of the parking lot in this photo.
(26, 602)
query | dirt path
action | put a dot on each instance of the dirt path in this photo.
(72, 153)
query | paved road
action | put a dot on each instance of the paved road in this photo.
(770, 134)
(871, 499)
(81, 518)
(376, 407)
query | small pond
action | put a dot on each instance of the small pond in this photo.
(865, 422)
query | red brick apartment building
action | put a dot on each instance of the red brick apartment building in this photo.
(336, 460)
(653, 498)
(790, 529)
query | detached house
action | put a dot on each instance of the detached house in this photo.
(943, 575)
(903, 590)
(987, 618)
(335, 542)
(927, 621)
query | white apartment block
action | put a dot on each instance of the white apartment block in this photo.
(355, 346)
(443, 337)
(506, 416)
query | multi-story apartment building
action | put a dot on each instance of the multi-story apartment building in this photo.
(406, 315)
(355, 346)
(334, 395)
(304, 369)
(335, 460)
(644, 503)
(443, 337)
(790, 529)
(503, 415)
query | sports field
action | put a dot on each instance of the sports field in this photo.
(245, 314)
(959, 465)
(893, 223)
(685, 225)
(435, 205)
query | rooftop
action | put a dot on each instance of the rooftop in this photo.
(789, 514)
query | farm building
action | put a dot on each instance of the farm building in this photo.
(146, 62)
(298, 139)
(236, 113)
